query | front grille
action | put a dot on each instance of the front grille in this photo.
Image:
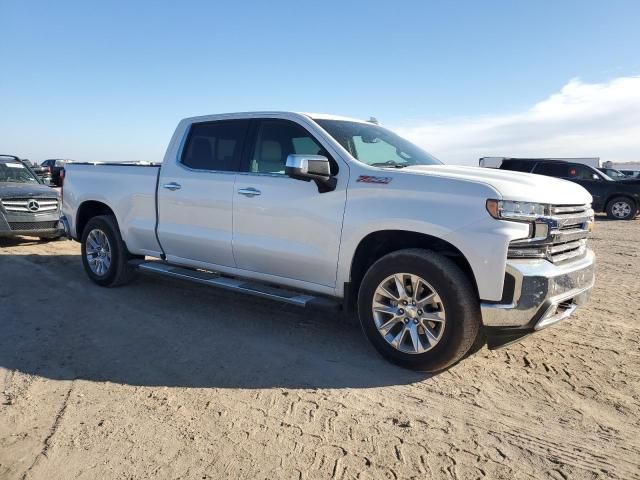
(30, 205)
(32, 226)
(558, 236)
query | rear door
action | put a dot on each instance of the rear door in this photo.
(282, 226)
(196, 193)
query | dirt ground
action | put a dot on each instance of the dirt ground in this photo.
(163, 379)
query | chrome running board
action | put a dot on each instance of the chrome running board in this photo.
(213, 279)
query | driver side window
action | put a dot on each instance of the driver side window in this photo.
(276, 140)
(580, 173)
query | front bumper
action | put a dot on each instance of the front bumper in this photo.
(33, 225)
(537, 295)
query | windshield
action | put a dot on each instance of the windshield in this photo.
(606, 177)
(376, 146)
(16, 172)
(613, 173)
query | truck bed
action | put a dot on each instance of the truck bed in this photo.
(129, 189)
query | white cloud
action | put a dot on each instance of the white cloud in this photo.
(582, 120)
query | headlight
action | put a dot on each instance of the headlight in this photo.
(510, 210)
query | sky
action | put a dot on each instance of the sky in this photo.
(109, 81)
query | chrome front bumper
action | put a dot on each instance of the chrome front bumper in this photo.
(540, 293)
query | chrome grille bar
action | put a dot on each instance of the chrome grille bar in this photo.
(21, 205)
(559, 236)
(563, 209)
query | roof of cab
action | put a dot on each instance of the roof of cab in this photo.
(263, 114)
(328, 116)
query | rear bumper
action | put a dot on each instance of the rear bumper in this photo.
(540, 294)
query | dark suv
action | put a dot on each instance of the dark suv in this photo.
(620, 199)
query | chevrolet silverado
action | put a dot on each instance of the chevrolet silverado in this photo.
(326, 211)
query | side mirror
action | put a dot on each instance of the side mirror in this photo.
(311, 167)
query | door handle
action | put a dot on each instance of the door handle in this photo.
(249, 192)
(172, 186)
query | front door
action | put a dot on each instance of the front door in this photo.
(196, 193)
(282, 226)
(592, 181)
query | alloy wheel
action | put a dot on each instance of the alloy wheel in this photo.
(621, 209)
(408, 313)
(98, 252)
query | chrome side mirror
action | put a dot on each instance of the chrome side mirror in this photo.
(308, 167)
(311, 167)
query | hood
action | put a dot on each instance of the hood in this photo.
(22, 190)
(524, 187)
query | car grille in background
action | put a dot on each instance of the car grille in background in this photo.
(22, 204)
(559, 236)
(32, 226)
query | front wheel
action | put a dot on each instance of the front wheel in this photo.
(419, 310)
(104, 255)
(621, 208)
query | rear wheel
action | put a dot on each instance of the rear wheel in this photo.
(621, 208)
(419, 310)
(104, 255)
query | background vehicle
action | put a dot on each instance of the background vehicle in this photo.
(631, 173)
(55, 166)
(432, 257)
(494, 162)
(42, 172)
(27, 206)
(619, 199)
(613, 173)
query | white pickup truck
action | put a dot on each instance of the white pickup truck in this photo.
(326, 211)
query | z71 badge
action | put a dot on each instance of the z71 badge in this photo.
(373, 179)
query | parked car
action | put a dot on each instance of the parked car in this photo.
(494, 162)
(27, 205)
(631, 173)
(619, 199)
(613, 173)
(56, 167)
(324, 211)
(43, 173)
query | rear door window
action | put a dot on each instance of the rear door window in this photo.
(557, 170)
(215, 146)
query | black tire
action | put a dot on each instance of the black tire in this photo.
(614, 213)
(119, 271)
(457, 296)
